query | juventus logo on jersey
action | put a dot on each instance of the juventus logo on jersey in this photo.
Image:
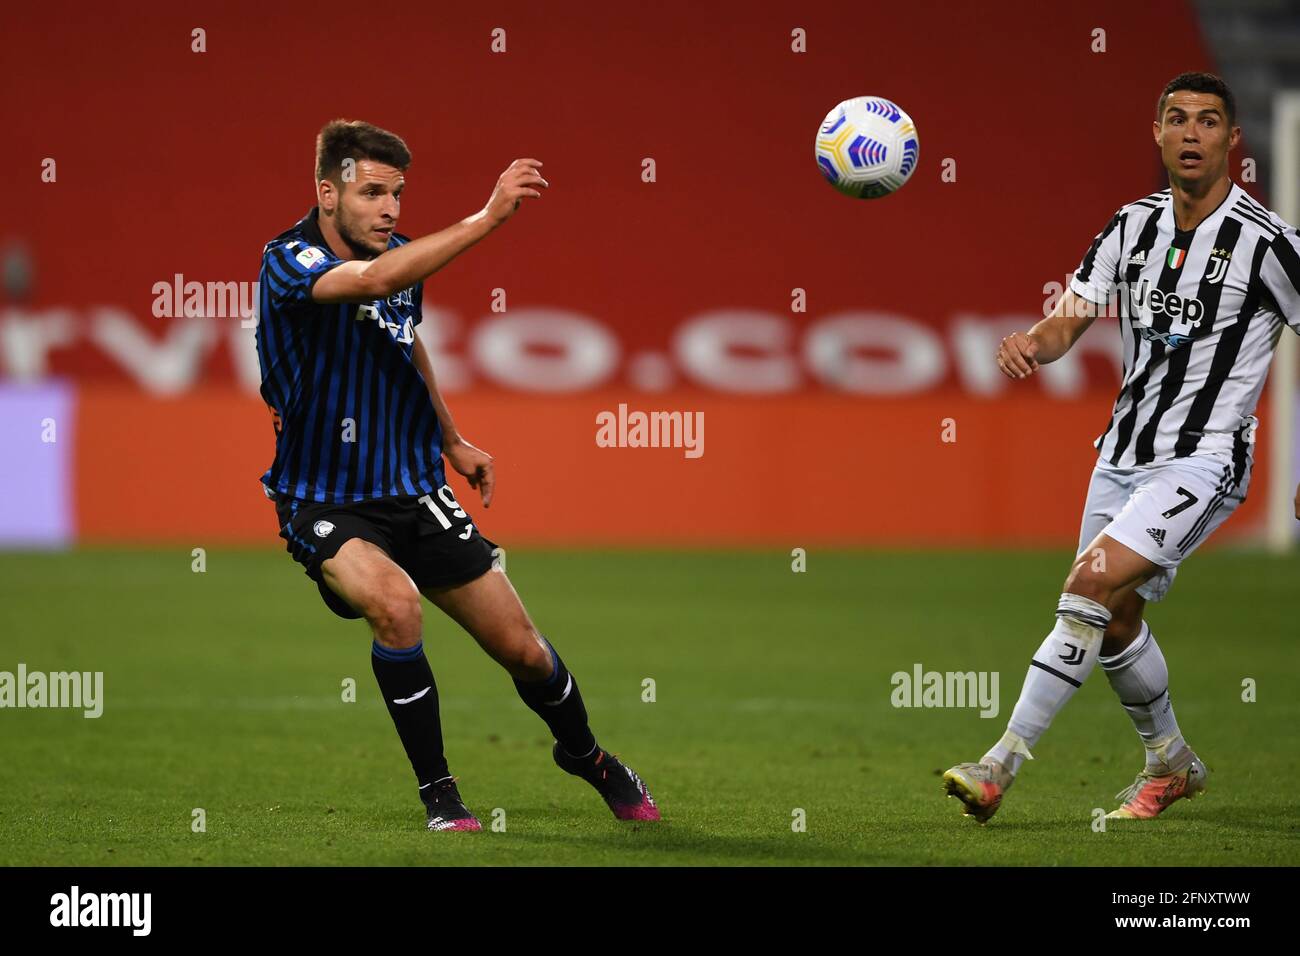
(1218, 266)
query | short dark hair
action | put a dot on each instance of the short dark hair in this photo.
(1199, 83)
(355, 140)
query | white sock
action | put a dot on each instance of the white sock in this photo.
(1140, 678)
(1058, 669)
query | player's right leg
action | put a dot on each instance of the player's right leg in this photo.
(1166, 513)
(370, 582)
(346, 550)
(490, 611)
(1058, 668)
(456, 568)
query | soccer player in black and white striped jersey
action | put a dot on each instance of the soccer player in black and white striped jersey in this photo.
(1206, 280)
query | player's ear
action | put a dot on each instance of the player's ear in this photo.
(1155, 130)
(327, 197)
(1234, 137)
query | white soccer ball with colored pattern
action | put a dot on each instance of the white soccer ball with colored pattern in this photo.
(867, 147)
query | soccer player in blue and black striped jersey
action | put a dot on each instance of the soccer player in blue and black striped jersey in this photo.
(358, 480)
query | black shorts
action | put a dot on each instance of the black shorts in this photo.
(431, 538)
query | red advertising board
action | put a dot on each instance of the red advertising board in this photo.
(688, 255)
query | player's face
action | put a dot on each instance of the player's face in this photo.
(366, 211)
(1194, 137)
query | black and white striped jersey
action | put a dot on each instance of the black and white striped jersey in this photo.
(1200, 314)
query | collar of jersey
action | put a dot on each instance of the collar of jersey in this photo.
(1233, 189)
(310, 226)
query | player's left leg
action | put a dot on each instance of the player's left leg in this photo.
(1201, 493)
(489, 609)
(1197, 495)
(1136, 669)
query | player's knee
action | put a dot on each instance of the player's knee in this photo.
(1086, 582)
(396, 617)
(1122, 628)
(1126, 615)
(1119, 634)
(1091, 588)
(528, 658)
(1125, 623)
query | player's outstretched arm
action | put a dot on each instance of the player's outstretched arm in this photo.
(1021, 353)
(365, 280)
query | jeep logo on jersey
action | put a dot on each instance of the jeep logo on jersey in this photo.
(322, 528)
(1148, 303)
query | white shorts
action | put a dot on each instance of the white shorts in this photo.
(1165, 510)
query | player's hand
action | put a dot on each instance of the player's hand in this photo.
(1016, 355)
(475, 464)
(520, 181)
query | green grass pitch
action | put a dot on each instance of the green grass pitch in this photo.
(223, 691)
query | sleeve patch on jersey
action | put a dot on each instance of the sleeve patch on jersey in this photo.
(310, 257)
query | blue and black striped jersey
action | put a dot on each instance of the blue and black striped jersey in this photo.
(353, 417)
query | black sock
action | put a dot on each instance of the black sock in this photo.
(404, 676)
(558, 702)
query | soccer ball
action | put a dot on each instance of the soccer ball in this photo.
(867, 147)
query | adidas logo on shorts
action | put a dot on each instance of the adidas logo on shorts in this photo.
(1158, 534)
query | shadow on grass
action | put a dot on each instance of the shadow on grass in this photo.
(675, 843)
